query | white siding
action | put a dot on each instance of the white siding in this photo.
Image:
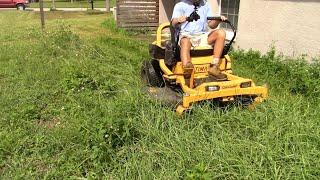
(292, 27)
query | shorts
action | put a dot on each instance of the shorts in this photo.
(196, 39)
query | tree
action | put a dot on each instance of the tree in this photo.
(41, 14)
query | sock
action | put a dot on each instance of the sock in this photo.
(215, 61)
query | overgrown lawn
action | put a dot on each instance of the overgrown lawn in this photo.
(72, 106)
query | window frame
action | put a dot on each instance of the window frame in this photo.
(228, 30)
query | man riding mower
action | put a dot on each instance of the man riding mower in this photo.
(194, 66)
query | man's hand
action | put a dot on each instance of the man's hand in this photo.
(182, 19)
(214, 23)
(223, 18)
(179, 20)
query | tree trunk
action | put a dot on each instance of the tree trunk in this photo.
(41, 13)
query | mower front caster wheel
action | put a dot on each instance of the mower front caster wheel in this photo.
(181, 110)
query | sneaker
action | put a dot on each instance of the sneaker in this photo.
(216, 73)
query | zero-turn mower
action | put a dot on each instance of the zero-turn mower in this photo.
(166, 80)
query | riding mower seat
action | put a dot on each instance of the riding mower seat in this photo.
(164, 74)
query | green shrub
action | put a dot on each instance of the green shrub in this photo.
(296, 75)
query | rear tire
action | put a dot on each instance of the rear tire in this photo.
(151, 75)
(21, 7)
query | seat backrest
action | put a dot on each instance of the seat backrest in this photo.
(175, 31)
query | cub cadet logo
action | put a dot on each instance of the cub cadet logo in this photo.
(201, 69)
(229, 86)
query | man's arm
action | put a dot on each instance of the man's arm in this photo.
(179, 20)
(177, 15)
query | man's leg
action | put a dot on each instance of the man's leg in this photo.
(185, 46)
(217, 38)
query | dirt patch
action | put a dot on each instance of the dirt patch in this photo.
(42, 168)
(50, 124)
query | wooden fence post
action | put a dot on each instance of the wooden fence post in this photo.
(108, 5)
(54, 4)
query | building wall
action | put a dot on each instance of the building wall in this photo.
(292, 26)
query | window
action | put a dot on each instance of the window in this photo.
(230, 9)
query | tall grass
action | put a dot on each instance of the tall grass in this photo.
(73, 108)
(295, 75)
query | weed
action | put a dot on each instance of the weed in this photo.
(121, 132)
(112, 26)
(198, 172)
(60, 41)
(78, 81)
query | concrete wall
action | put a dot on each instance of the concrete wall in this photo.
(166, 9)
(292, 26)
